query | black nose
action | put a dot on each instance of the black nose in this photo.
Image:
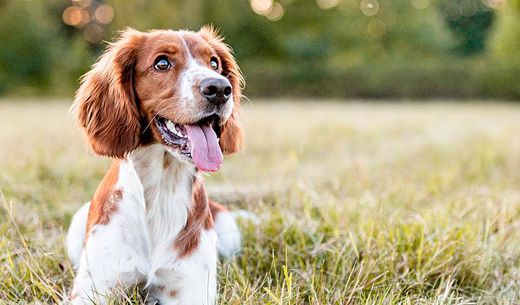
(216, 90)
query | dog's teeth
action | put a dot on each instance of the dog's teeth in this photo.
(170, 125)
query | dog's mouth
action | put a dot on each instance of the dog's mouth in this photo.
(198, 142)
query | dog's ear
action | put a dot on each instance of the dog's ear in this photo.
(232, 134)
(105, 104)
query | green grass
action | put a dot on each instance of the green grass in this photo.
(361, 203)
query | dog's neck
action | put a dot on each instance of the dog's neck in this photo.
(167, 187)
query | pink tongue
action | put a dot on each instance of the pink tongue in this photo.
(205, 150)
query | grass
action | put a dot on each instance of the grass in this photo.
(360, 203)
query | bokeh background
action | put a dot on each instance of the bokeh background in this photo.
(320, 48)
(364, 194)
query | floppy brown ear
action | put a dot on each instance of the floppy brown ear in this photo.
(232, 134)
(105, 104)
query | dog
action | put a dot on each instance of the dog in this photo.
(164, 105)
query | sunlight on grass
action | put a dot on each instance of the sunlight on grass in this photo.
(360, 203)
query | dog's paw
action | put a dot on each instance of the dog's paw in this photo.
(229, 237)
(228, 232)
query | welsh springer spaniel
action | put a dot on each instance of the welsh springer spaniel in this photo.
(164, 105)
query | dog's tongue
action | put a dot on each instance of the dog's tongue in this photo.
(205, 150)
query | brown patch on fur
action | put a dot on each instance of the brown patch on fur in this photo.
(105, 200)
(216, 208)
(105, 103)
(158, 91)
(199, 218)
(232, 134)
(173, 293)
(167, 160)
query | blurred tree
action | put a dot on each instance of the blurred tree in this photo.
(144, 15)
(27, 36)
(370, 48)
(470, 21)
(411, 29)
(506, 38)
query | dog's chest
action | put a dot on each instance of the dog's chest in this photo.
(167, 194)
(167, 209)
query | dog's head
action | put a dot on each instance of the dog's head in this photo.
(180, 89)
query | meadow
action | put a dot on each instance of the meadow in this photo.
(359, 203)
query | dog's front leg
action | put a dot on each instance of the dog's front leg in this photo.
(116, 246)
(190, 279)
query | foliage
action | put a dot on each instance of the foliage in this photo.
(506, 45)
(35, 56)
(471, 20)
(24, 61)
(367, 48)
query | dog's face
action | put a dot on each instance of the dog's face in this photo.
(178, 88)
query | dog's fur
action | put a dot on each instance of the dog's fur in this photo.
(150, 221)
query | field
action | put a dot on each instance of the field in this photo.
(359, 203)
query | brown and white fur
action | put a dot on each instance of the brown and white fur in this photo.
(150, 222)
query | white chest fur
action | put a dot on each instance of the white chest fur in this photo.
(137, 244)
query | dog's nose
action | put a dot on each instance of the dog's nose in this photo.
(216, 90)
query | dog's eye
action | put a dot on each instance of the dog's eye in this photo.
(162, 63)
(214, 63)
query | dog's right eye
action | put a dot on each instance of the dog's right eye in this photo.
(162, 63)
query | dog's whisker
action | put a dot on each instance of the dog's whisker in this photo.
(157, 114)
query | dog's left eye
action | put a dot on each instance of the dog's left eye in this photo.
(213, 63)
(162, 63)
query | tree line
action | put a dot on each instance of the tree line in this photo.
(324, 48)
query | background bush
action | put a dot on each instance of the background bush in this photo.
(328, 48)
